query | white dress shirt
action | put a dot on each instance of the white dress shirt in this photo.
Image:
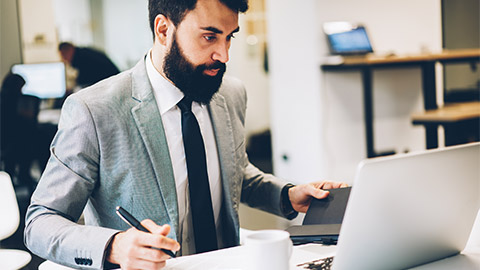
(167, 96)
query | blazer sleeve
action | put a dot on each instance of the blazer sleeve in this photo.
(259, 190)
(263, 191)
(70, 177)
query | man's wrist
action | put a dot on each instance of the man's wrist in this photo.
(108, 261)
(287, 208)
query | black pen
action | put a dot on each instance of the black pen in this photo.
(130, 220)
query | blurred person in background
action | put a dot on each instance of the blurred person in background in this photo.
(92, 65)
(19, 130)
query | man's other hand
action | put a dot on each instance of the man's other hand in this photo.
(132, 249)
(300, 196)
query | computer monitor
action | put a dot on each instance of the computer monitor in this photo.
(346, 38)
(43, 80)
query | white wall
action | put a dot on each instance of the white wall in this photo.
(9, 37)
(317, 117)
(295, 86)
(246, 63)
(73, 21)
(39, 39)
(127, 31)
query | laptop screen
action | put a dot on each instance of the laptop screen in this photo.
(347, 39)
(410, 209)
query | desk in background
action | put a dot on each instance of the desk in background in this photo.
(461, 121)
(427, 64)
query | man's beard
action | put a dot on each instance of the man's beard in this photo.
(190, 79)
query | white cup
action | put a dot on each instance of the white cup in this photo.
(269, 249)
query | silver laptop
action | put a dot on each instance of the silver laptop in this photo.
(411, 209)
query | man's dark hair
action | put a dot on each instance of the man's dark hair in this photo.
(65, 46)
(176, 10)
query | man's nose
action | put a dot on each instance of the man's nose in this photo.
(221, 52)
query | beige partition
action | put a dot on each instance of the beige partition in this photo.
(37, 31)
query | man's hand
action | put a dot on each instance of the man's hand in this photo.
(301, 195)
(132, 249)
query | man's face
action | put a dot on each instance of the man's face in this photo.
(199, 48)
(193, 80)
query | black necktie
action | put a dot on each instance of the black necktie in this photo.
(199, 188)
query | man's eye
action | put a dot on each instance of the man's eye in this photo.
(230, 37)
(209, 38)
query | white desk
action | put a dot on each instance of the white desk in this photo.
(236, 258)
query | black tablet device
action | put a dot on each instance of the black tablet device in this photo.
(323, 219)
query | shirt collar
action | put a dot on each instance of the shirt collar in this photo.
(166, 93)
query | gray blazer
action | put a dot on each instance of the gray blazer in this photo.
(110, 149)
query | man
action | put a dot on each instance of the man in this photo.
(129, 145)
(92, 65)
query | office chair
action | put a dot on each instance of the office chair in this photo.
(10, 219)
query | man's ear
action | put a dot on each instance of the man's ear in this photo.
(162, 24)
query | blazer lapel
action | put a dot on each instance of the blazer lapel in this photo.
(222, 126)
(149, 123)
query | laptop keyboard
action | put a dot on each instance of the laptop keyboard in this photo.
(320, 264)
